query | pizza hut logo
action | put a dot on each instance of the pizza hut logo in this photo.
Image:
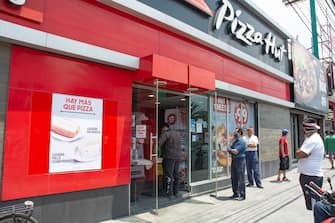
(202, 5)
(17, 2)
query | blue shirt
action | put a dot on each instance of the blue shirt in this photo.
(240, 145)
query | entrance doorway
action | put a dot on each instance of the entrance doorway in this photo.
(151, 108)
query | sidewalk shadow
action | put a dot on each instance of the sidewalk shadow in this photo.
(192, 201)
(277, 182)
(223, 198)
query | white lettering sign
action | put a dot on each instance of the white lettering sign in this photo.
(18, 2)
(246, 32)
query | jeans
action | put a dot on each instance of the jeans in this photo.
(237, 176)
(171, 175)
(305, 179)
(322, 211)
(253, 168)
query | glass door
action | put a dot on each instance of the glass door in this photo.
(152, 107)
(143, 191)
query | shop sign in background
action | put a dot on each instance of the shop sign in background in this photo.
(310, 87)
(76, 133)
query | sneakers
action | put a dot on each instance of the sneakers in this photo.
(240, 198)
(260, 186)
(284, 179)
(249, 185)
(234, 196)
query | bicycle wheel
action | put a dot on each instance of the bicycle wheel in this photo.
(17, 218)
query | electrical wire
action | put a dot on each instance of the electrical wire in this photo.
(303, 21)
(303, 11)
(325, 12)
(330, 7)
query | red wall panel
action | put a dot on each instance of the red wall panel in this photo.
(39, 143)
(118, 31)
(250, 78)
(34, 77)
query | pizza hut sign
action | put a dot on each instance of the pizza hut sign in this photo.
(245, 32)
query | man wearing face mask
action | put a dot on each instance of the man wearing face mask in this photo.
(237, 150)
(310, 156)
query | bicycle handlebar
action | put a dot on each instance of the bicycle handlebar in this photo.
(325, 196)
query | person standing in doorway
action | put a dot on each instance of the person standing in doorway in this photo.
(251, 157)
(284, 161)
(169, 142)
(237, 150)
(330, 147)
(309, 157)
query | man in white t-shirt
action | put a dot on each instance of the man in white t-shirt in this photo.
(252, 159)
(310, 156)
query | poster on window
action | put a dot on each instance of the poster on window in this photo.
(75, 133)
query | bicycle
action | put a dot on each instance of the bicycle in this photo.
(19, 213)
(327, 197)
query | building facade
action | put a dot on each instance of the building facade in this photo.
(86, 86)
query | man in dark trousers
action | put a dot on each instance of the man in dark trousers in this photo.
(169, 142)
(237, 150)
(310, 156)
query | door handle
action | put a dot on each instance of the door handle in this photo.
(153, 139)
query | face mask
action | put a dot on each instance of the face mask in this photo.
(235, 135)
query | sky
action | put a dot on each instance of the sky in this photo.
(286, 17)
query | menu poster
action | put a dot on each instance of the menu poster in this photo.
(75, 134)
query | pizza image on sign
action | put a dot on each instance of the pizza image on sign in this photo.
(304, 69)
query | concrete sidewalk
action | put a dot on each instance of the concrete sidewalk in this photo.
(278, 202)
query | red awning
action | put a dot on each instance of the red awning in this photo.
(178, 76)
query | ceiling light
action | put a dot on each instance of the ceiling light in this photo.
(190, 89)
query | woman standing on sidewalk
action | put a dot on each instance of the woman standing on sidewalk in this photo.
(310, 156)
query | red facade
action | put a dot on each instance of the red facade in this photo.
(35, 75)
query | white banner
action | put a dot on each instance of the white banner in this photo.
(76, 133)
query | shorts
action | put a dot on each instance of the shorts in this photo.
(284, 163)
(331, 155)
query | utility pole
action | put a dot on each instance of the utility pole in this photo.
(314, 29)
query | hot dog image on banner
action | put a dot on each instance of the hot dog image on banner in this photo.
(75, 134)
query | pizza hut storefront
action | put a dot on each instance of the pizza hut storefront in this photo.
(83, 100)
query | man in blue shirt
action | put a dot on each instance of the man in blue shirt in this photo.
(237, 151)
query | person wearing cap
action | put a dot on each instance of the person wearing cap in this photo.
(309, 158)
(237, 151)
(330, 147)
(284, 161)
(251, 158)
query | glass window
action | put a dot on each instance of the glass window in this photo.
(227, 115)
(220, 157)
(199, 138)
